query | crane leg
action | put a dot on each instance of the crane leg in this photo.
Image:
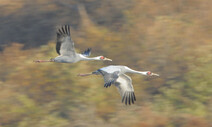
(41, 61)
(84, 74)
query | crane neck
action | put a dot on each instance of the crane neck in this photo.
(136, 72)
(89, 58)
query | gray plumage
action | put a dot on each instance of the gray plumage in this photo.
(65, 45)
(125, 88)
(65, 49)
(115, 74)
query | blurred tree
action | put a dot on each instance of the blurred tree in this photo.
(172, 38)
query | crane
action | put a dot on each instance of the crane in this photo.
(66, 51)
(115, 74)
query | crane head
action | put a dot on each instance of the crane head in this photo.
(104, 58)
(151, 74)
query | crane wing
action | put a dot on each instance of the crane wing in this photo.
(109, 78)
(87, 52)
(125, 88)
(65, 45)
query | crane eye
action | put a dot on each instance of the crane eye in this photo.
(102, 57)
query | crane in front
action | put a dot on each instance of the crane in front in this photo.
(115, 74)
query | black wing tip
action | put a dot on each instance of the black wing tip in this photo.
(58, 48)
(128, 98)
(107, 84)
(63, 30)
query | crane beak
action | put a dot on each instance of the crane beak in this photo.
(154, 74)
(107, 59)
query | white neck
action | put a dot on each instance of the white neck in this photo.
(136, 72)
(87, 58)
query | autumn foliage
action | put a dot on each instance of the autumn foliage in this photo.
(172, 38)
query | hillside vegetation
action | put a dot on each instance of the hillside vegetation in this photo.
(172, 38)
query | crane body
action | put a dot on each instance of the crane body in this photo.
(65, 49)
(115, 74)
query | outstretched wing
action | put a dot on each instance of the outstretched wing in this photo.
(65, 45)
(125, 88)
(109, 78)
(87, 52)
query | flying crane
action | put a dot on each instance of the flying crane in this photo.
(115, 74)
(66, 51)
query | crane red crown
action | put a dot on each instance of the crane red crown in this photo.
(149, 73)
(102, 57)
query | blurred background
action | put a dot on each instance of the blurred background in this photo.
(168, 37)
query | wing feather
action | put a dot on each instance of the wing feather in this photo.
(65, 45)
(109, 78)
(126, 98)
(87, 52)
(125, 88)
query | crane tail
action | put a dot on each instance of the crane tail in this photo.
(87, 52)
